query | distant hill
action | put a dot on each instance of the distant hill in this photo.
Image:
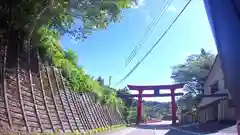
(154, 109)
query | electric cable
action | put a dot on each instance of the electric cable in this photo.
(145, 56)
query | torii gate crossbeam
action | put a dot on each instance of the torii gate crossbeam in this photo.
(156, 89)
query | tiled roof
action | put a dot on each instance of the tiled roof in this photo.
(208, 100)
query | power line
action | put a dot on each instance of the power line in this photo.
(149, 30)
(139, 62)
(129, 73)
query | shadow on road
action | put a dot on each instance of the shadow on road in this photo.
(209, 127)
(157, 127)
(205, 128)
(201, 129)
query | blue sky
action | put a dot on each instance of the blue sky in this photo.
(105, 51)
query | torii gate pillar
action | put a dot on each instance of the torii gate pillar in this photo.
(139, 107)
(174, 109)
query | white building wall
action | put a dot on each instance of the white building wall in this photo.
(211, 114)
(207, 114)
(226, 112)
(216, 74)
(223, 111)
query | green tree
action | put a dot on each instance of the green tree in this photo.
(193, 72)
(52, 53)
(124, 94)
(188, 102)
(42, 22)
(27, 16)
(71, 56)
(126, 113)
(100, 80)
(127, 101)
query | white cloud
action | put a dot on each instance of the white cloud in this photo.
(139, 4)
(171, 9)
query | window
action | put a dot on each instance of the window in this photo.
(214, 87)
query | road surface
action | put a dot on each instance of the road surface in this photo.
(163, 128)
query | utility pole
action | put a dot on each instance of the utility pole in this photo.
(109, 81)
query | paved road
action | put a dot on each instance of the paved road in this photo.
(162, 128)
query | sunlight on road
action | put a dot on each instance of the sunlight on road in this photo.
(161, 127)
(157, 128)
(161, 123)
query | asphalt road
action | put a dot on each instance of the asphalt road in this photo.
(161, 128)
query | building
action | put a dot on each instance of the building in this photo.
(215, 108)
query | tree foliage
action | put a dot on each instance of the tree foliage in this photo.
(60, 15)
(187, 102)
(195, 69)
(44, 22)
(193, 72)
(52, 53)
(71, 56)
(100, 80)
(124, 95)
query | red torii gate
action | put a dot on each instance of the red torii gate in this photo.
(156, 89)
